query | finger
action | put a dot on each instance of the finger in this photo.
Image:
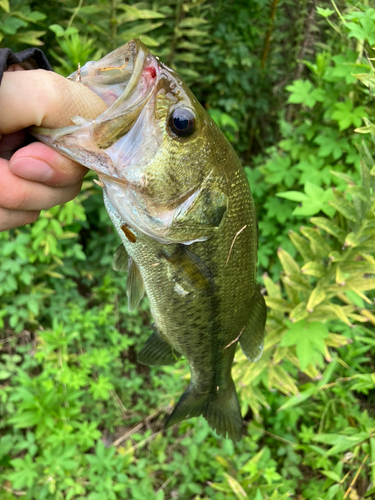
(9, 219)
(37, 162)
(9, 143)
(21, 194)
(43, 98)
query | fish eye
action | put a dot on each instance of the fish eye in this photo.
(182, 122)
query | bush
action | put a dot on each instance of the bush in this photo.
(79, 417)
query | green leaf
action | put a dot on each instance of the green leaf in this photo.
(293, 196)
(12, 24)
(303, 92)
(31, 37)
(290, 266)
(345, 208)
(332, 475)
(317, 296)
(4, 374)
(329, 227)
(346, 116)
(364, 30)
(344, 443)
(4, 4)
(57, 29)
(324, 12)
(367, 79)
(236, 487)
(298, 398)
(191, 22)
(101, 389)
(308, 339)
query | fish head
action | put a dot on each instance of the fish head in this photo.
(158, 153)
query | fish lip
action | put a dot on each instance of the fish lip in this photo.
(86, 142)
(101, 72)
(132, 62)
(137, 86)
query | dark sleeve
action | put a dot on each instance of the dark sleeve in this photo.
(29, 59)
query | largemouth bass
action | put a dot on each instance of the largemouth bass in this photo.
(178, 197)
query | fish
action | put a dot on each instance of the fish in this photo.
(178, 197)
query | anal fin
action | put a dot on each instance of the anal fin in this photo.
(252, 338)
(157, 351)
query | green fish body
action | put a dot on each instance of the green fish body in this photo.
(181, 204)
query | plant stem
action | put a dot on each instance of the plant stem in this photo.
(337, 11)
(76, 10)
(175, 32)
(113, 23)
(268, 34)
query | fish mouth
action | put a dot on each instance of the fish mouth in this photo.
(125, 79)
(116, 75)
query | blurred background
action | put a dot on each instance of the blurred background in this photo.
(291, 84)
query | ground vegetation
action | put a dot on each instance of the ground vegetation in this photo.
(291, 83)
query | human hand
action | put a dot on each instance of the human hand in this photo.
(36, 177)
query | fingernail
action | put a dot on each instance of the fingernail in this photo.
(32, 169)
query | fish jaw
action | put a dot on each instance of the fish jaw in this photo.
(87, 142)
(114, 73)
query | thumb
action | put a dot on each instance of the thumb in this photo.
(43, 98)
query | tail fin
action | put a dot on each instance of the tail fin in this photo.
(221, 410)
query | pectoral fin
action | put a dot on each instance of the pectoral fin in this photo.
(134, 287)
(252, 339)
(157, 351)
(191, 269)
(200, 216)
(120, 259)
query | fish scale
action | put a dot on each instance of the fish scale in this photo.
(180, 201)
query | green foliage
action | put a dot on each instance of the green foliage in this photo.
(16, 19)
(79, 418)
(318, 137)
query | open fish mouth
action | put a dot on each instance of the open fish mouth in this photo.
(125, 79)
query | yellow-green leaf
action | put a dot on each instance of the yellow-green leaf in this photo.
(313, 268)
(335, 340)
(318, 244)
(4, 4)
(302, 245)
(345, 208)
(329, 227)
(339, 312)
(236, 487)
(273, 290)
(290, 266)
(299, 312)
(278, 304)
(316, 297)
